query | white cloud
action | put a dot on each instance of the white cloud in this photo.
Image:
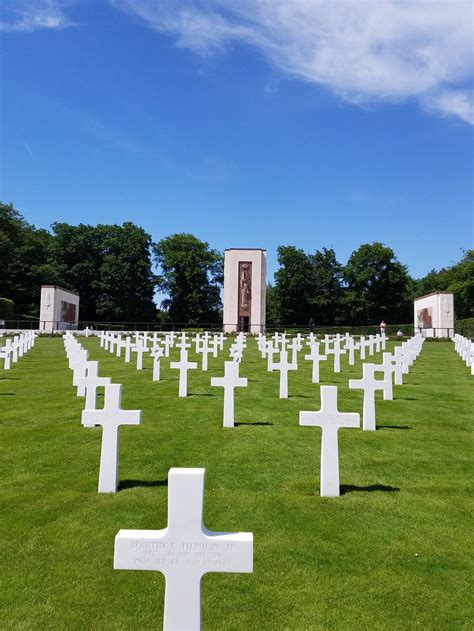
(363, 50)
(26, 16)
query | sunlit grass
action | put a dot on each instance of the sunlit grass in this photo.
(391, 553)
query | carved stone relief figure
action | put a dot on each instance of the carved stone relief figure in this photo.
(245, 286)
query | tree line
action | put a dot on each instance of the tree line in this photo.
(118, 271)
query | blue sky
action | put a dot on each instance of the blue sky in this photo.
(247, 123)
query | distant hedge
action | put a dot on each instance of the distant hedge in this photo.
(6, 309)
(465, 327)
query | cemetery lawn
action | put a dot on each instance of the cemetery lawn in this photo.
(393, 552)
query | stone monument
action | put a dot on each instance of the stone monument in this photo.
(434, 314)
(59, 309)
(245, 290)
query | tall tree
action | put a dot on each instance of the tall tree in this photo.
(294, 285)
(24, 261)
(126, 279)
(110, 267)
(378, 286)
(77, 255)
(191, 274)
(327, 290)
(272, 306)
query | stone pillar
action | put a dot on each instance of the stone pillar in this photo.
(245, 273)
(59, 309)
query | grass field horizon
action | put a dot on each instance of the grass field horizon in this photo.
(391, 553)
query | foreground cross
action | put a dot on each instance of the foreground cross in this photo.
(110, 417)
(229, 381)
(184, 551)
(329, 419)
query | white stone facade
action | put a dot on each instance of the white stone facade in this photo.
(434, 315)
(245, 296)
(59, 309)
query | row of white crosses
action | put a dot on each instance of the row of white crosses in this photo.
(465, 349)
(110, 417)
(280, 345)
(331, 420)
(183, 551)
(205, 344)
(14, 348)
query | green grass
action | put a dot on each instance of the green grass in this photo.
(393, 552)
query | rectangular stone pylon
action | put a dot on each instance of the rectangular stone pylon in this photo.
(245, 272)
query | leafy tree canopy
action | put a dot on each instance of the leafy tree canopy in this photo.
(191, 274)
(378, 286)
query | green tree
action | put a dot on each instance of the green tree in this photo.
(378, 287)
(272, 306)
(327, 290)
(294, 285)
(77, 255)
(110, 267)
(126, 280)
(24, 261)
(191, 274)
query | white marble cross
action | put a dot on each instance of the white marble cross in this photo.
(6, 354)
(351, 347)
(140, 349)
(229, 381)
(157, 353)
(91, 381)
(110, 417)
(128, 345)
(378, 342)
(337, 351)
(183, 366)
(387, 368)
(118, 352)
(294, 346)
(398, 366)
(329, 419)
(369, 385)
(363, 343)
(284, 367)
(271, 351)
(205, 350)
(372, 343)
(184, 551)
(315, 357)
(183, 344)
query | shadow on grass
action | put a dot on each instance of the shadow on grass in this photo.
(394, 427)
(261, 423)
(201, 394)
(132, 484)
(352, 488)
(7, 394)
